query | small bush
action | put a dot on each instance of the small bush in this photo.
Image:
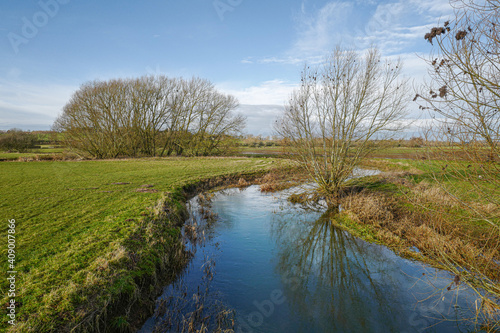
(416, 142)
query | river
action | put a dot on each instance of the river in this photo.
(261, 264)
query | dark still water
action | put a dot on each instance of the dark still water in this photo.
(263, 265)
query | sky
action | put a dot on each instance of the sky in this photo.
(252, 49)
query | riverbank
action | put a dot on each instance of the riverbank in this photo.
(406, 209)
(97, 240)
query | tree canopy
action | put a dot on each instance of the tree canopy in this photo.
(339, 107)
(149, 116)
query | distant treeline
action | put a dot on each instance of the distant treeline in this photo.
(150, 116)
(17, 140)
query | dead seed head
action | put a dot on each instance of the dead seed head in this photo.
(443, 91)
(436, 31)
(461, 35)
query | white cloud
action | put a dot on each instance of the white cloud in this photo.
(260, 118)
(397, 25)
(34, 106)
(260, 104)
(432, 8)
(316, 32)
(275, 92)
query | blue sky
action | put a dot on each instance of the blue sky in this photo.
(249, 48)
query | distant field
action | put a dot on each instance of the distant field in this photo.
(71, 214)
(272, 150)
(32, 153)
(412, 153)
(399, 152)
(392, 152)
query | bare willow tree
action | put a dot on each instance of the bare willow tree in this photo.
(149, 102)
(94, 119)
(201, 118)
(149, 115)
(338, 109)
(463, 95)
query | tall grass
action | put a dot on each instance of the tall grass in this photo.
(409, 209)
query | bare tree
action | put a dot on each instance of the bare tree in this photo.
(93, 119)
(338, 108)
(464, 92)
(464, 97)
(148, 115)
(151, 110)
(215, 122)
(202, 118)
(465, 73)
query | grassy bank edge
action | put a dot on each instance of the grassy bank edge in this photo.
(137, 272)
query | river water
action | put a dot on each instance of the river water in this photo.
(261, 264)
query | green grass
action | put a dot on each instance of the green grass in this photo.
(449, 174)
(15, 156)
(32, 153)
(69, 215)
(48, 149)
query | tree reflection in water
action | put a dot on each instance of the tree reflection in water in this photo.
(328, 273)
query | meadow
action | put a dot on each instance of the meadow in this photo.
(94, 237)
(85, 233)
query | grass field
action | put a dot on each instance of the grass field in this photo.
(74, 219)
(85, 236)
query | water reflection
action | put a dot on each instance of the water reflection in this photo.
(329, 274)
(352, 285)
(294, 271)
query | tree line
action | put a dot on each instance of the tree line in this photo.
(150, 116)
(17, 140)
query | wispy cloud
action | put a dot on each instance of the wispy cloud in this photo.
(391, 25)
(317, 30)
(398, 25)
(32, 105)
(432, 8)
